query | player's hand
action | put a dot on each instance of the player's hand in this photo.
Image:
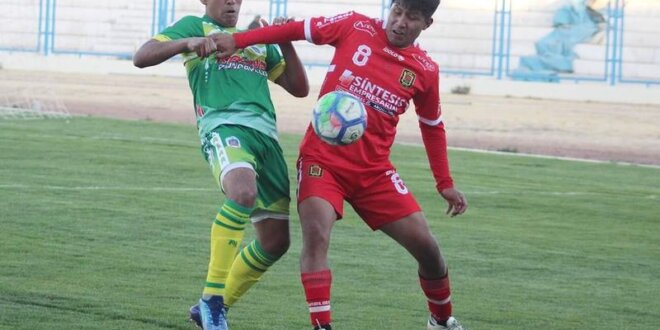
(224, 43)
(456, 200)
(277, 21)
(203, 47)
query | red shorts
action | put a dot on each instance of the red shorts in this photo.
(379, 196)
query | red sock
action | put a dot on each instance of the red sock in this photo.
(317, 291)
(438, 294)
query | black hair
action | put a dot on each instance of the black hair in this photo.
(426, 7)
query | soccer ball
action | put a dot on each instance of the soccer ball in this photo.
(339, 118)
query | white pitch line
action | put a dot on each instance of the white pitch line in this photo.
(80, 188)
(574, 159)
(184, 189)
(554, 193)
(522, 154)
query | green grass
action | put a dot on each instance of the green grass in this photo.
(104, 225)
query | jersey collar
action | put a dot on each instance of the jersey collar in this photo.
(208, 19)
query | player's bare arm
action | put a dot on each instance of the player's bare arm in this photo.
(154, 52)
(294, 78)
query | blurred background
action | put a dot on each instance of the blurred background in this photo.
(611, 42)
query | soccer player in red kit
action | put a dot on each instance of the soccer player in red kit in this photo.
(379, 62)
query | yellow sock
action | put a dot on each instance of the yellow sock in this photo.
(247, 269)
(226, 236)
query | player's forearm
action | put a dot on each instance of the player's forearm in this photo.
(154, 52)
(435, 143)
(295, 71)
(274, 34)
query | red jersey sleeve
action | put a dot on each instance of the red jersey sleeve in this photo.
(317, 30)
(329, 30)
(427, 106)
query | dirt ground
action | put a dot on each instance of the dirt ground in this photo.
(600, 131)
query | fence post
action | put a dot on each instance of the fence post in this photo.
(619, 59)
(504, 34)
(616, 45)
(41, 25)
(172, 12)
(163, 13)
(46, 26)
(278, 8)
(384, 7)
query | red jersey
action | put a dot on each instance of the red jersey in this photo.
(386, 78)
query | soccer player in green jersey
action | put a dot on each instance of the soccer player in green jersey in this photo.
(236, 123)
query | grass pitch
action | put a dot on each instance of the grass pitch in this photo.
(104, 224)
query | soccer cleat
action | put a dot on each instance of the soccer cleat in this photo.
(452, 324)
(194, 315)
(320, 326)
(213, 313)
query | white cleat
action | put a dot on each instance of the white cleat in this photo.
(452, 324)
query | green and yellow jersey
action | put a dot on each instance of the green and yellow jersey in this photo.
(233, 90)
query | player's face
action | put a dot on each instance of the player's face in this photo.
(405, 25)
(224, 12)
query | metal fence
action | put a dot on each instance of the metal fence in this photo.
(468, 38)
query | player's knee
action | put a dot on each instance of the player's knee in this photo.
(430, 259)
(426, 250)
(316, 243)
(431, 244)
(245, 196)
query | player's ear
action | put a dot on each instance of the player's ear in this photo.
(429, 21)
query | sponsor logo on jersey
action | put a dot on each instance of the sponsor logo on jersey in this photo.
(372, 94)
(237, 62)
(315, 171)
(425, 62)
(407, 78)
(233, 142)
(334, 19)
(394, 54)
(365, 26)
(346, 78)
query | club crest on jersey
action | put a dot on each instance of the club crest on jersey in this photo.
(233, 142)
(315, 171)
(346, 78)
(365, 26)
(407, 78)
